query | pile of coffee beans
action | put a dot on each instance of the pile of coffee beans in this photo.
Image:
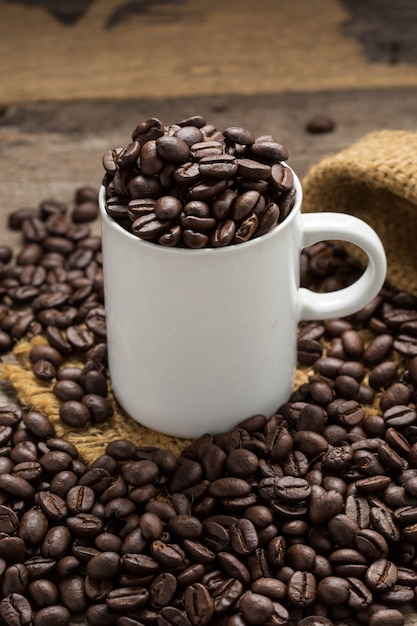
(308, 518)
(190, 185)
(54, 288)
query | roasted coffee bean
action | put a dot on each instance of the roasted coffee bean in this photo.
(301, 588)
(308, 351)
(399, 416)
(173, 149)
(15, 580)
(33, 526)
(148, 130)
(43, 592)
(56, 460)
(85, 524)
(222, 204)
(194, 164)
(100, 408)
(371, 543)
(172, 616)
(218, 166)
(185, 526)
(243, 536)
(198, 604)
(80, 499)
(253, 170)
(225, 594)
(237, 134)
(67, 389)
(381, 575)
(347, 412)
(167, 208)
(223, 234)
(229, 487)
(52, 615)
(16, 610)
(246, 229)
(269, 150)
(385, 616)
(383, 375)
(319, 124)
(256, 608)
(205, 148)
(138, 473)
(74, 413)
(292, 489)
(126, 599)
(198, 552)
(149, 227)
(72, 594)
(190, 134)
(144, 187)
(104, 565)
(38, 424)
(202, 225)
(162, 590)
(56, 541)
(16, 486)
(139, 564)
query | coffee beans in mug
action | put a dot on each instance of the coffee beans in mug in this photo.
(184, 165)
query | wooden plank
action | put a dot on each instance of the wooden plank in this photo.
(183, 48)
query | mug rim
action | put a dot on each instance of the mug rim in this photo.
(209, 249)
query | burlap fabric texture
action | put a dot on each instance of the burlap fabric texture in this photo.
(376, 180)
(91, 441)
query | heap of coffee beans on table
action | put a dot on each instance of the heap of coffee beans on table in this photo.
(306, 519)
(190, 185)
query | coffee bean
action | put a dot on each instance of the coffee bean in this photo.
(16, 486)
(172, 616)
(301, 588)
(167, 208)
(172, 149)
(185, 526)
(139, 473)
(15, 609)
(52, 615)
(218, 166)
(371, 543)
(320, 123)
(381, 575)
(139, 564)
(229, 487)
(198, 604)
(384, 616)
(74, 413)
(399, 416)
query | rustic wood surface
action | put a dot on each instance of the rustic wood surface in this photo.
(119, 49)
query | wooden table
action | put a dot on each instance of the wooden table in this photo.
(48, 150)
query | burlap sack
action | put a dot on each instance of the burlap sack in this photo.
(376, 180)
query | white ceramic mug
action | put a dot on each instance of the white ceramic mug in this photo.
(199, 340)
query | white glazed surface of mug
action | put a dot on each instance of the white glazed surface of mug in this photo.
(199, 340)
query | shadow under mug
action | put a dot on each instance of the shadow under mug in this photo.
(199, 340)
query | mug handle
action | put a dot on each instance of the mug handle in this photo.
(340, 226)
